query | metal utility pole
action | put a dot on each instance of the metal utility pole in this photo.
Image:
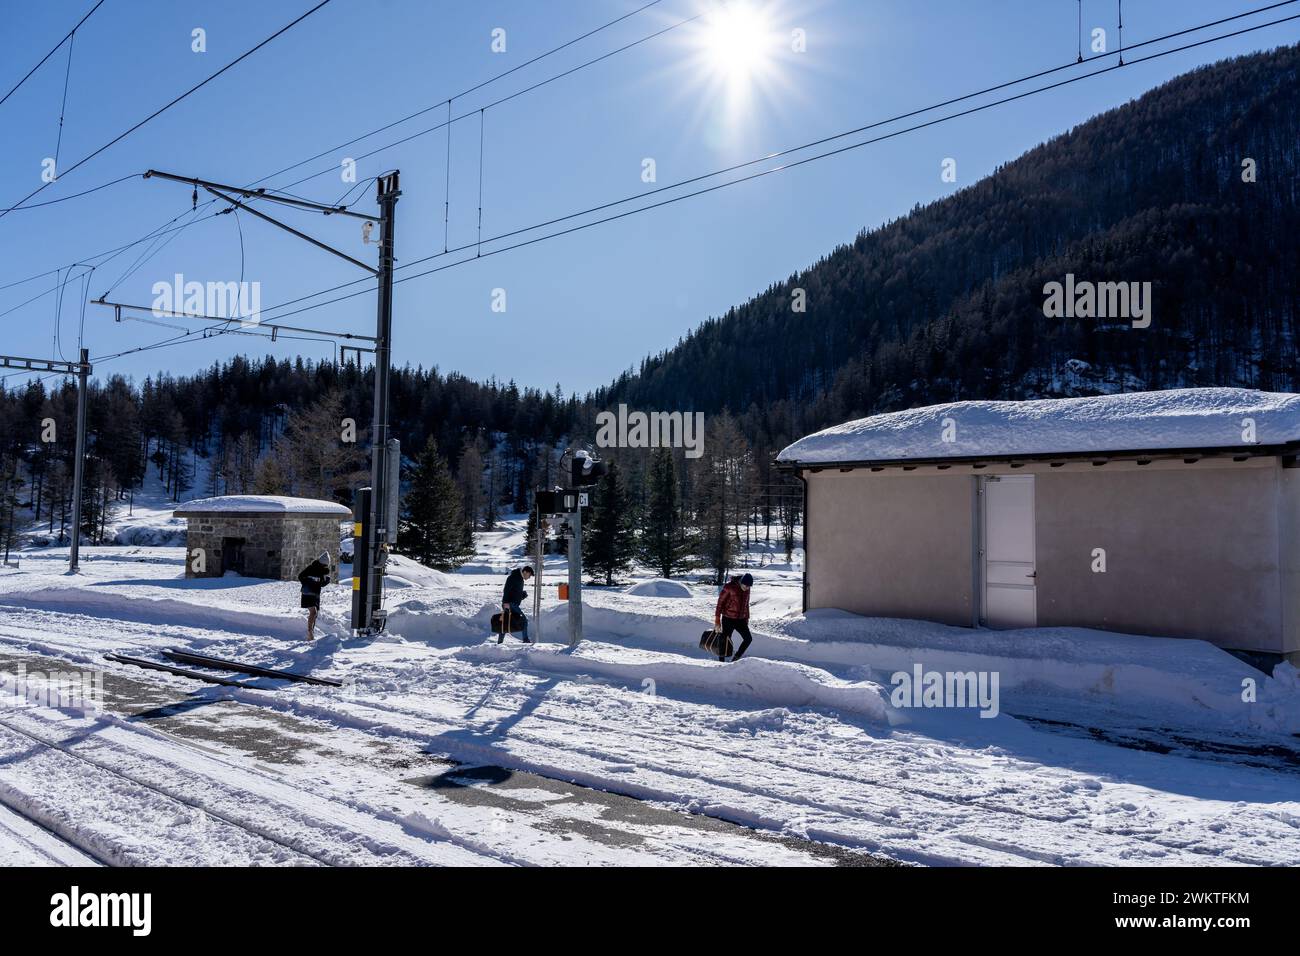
(575, 577)
(79, 466)
(539, 532)
(82, 370)
(382, 530)
(379, 527)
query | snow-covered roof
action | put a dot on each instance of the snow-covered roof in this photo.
(262, 504)
(1185, 418)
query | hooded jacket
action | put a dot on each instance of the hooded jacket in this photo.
(314, 577)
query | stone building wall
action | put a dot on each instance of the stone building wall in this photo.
(274, 546)
(304, 539)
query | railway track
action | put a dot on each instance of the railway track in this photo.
(220, 819)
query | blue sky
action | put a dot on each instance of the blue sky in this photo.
(579, 308)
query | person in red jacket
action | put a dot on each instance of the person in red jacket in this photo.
(732, 613)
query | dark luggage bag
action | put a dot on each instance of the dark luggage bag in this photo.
(713, 642)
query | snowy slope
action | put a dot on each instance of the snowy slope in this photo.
(1133, 421)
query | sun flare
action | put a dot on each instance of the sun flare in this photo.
(738, 42)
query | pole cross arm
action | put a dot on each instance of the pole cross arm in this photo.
(227, 320)
(44, 365)
(221, 191)
(260, 194)
(289, 229)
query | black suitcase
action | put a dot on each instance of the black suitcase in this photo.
(712, 641)
(516, 623)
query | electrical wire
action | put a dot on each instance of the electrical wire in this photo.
(827, 154)
(465, 92)
(785, 152)
(65, 39)
(761, 173)
(63, 108)
(84, 192)
(158, 112)
(480, 177)
(469, 113)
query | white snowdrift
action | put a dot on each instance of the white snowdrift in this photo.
(1188, 682)
(1134, 421)
(752, 680)
(660, 588)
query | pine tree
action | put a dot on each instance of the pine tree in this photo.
(469, 476)
(433, 529)
(664, 544)
(269, 476)
(608, 541)
(321, 463)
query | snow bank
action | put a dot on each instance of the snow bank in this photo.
(1177, 418)
(1190, 682)
(752, 680)
(134, 535)
(262, 504)
(406, 573)
(660, 588)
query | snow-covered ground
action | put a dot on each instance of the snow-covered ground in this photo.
(1105, 749)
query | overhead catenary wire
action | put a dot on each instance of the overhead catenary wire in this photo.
(398, 122)
(446, 202)
(53, 50)
(84, 192)
(762, 173)
(778, 154)
(480, 178)
(472, 112)
(162, 109)
(63, 108)
(1121, 32)
(1080, 3)
(795, 149)
(85, 296)
(475, 88)
(159, 242)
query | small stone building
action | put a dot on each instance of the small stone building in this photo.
(259, 536)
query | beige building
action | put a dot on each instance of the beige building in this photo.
(1163, 513)
(259, 536)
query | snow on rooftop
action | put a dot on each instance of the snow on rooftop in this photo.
(262, 504)
(1183, 418)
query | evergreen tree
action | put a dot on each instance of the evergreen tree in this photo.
(269, 477)
(664, 544)
(608, 541)
(10, 484)
(433, 529)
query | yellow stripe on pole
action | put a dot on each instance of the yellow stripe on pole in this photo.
(356, 529)
(356, 582)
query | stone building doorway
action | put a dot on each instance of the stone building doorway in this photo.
(232, 555)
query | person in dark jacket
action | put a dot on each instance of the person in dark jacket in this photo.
(513, 596)
(732, 614)
(314, 577)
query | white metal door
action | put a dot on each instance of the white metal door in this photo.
(1010, 572)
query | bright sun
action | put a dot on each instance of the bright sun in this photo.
(738, 41)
